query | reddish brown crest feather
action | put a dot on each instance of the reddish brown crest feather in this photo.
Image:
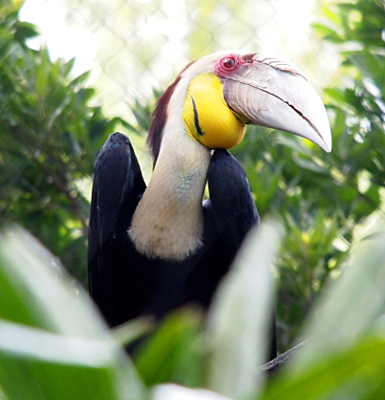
(159, 117)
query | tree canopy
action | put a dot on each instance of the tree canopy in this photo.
(50, 136)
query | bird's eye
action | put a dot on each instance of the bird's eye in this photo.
(229, 62)
(227, 65)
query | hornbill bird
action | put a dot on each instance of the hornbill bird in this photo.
(152, 250)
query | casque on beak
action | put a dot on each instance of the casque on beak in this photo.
(274, 93)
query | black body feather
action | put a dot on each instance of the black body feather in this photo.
(126, 284)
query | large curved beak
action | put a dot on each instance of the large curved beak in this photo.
(274, 93)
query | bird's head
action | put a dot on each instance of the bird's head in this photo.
(208, 107)
(219, 94)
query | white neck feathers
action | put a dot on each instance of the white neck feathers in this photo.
(168, 222)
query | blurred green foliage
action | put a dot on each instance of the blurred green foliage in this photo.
(54, 345)
(49, 139)
(323, 198)
(50, 136)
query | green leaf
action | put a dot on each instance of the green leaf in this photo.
(239, 321)
(174, 352)
(32, 279)
(82, 78)
(357, 374)
(351, 305)
(25, 30)
(342, 356)
(327, 33)
(54, 366)
(53, 344)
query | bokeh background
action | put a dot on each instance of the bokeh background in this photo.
(133, 47)
(73, 71)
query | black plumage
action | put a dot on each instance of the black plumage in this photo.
(206, 107)
(125, 284)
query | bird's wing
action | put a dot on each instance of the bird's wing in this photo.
(234, 212)
(117, 188)
(232, 202)
(229, 214)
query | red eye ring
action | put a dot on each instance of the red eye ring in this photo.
(227, 65)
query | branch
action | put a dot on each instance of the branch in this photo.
(274, 366)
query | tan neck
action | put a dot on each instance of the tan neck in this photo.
(168, 222)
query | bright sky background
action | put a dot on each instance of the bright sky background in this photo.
(61, 39)
(285, 32)
(117, 39)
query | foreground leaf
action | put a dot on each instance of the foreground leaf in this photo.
(53, 345)
(174, 352)
(352, 305)
(357, 374)
(344, 353)
(240, 317)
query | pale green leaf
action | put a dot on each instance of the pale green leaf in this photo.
(351, 306)
(240, 317)
(53, 345)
